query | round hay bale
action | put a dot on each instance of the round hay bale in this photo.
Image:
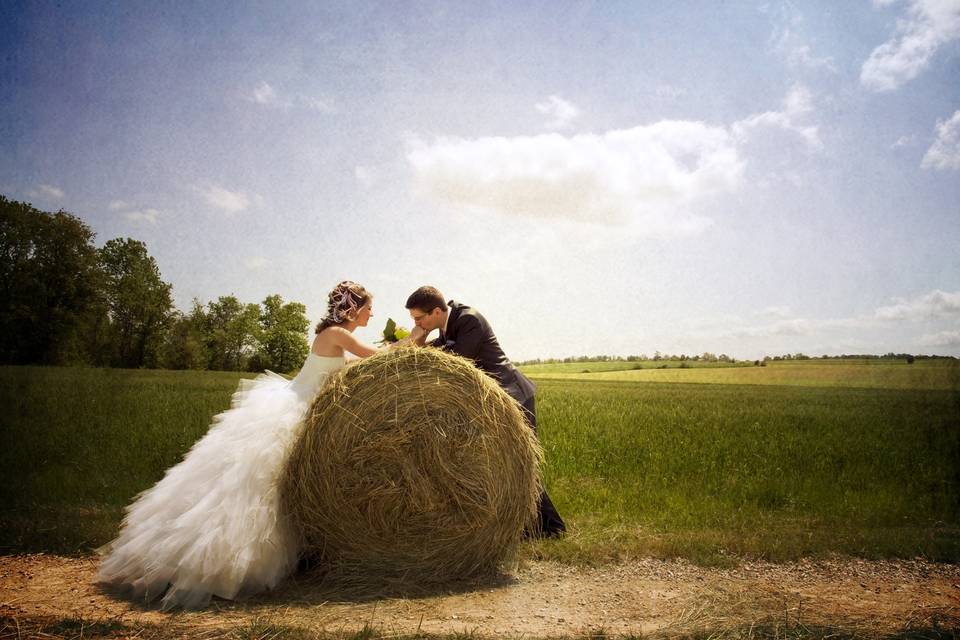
(413, 464)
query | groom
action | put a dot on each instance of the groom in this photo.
(467, 333)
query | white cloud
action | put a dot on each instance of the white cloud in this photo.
(794, 178)
(265, 94)
(797, 105)
(855, 322)
(941, 339)
(257, 262)
(143, 215)
(944, 153)
(561, 112)
(647, 175)
(136, 215)
(651, 177)
(928, 25)
(931, 306)
(800, 55)
(52, 191)
(787, 42)
(316, 104)
(47, 191)
(936, 304)
(903, 141)
(726, 328)
(366, 176)
(268, 96)
(800, 327)
(670, 92)
(229, 201)
(781, 311)
(793, 327)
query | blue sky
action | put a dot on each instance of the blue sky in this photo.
(620, 178)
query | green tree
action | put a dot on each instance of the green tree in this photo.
(283, 342)
(49, 286)
(185, 346)
(139, 302)
(231, 331)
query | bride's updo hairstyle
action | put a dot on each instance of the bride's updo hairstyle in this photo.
(343, 304)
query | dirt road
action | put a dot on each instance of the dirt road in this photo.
(540, 599)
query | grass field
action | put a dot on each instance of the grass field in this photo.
(924, 374)
(800, 462)
(776, 472)
(622, 365)
(79, 443)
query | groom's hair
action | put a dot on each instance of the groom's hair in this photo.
(426, 299)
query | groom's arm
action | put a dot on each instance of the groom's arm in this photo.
(470, 337)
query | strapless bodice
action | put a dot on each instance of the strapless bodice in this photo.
(314, 373)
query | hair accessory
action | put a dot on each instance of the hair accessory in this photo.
(342, 302)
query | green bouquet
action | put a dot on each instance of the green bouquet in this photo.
(393, 333)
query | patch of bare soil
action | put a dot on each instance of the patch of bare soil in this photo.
(649, 597)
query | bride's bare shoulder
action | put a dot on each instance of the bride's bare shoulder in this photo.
(329, 342)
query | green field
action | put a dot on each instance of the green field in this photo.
(621, 365)
(924, 374)
(775, 462)
(776, 472)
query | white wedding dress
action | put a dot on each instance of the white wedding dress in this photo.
(212, 526)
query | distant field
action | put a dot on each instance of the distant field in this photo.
(924, 374)
(799, 462)
(619, 365)
(875, 362)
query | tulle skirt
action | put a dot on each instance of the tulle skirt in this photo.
(213, 526)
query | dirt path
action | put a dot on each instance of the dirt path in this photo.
(643, 597)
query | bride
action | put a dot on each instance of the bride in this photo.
(212, 526)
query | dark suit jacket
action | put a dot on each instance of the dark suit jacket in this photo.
(469, 335)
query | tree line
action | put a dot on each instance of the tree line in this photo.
(64, 301)
(710, 357)
(642, 357)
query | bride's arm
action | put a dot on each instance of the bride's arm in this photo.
(348, 342)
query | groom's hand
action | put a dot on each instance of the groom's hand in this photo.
(418, 336)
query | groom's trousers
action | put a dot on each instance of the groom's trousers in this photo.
(549, 522)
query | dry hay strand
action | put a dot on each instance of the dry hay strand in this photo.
(413, 465)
